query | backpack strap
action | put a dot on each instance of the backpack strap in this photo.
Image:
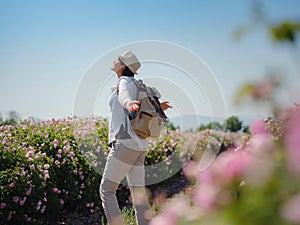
(140, 84)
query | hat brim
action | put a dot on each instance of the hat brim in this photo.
(123, 61)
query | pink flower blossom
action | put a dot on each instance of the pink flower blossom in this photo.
(171, 213)
(2, 205)
(39, 167)
(258, 127)
(261, 144)
(236, 165)
(292, 141)
(32, 167)
(290, 210)
(38, 206)
(29, 154)
(28, 192)
(164, 219)
(9, 217)
(61, 201)
(55, 143)
(56, 191)
(43, 209)
(45, 199)
(206, 194)
(46, 166)
(12, 185)
(16, 199)
(66, 148)
(22, 202)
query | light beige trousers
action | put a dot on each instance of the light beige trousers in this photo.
(122, 162)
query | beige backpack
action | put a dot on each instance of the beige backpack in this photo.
(150, 119)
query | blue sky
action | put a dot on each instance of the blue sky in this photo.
(47, 46)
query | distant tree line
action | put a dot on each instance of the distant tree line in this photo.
(13, 118)
(231, 124)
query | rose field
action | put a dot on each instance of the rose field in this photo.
(50, 173)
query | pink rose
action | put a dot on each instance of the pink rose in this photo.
(9, 217)
(2, 205)
(16, 199)
(55, 143)
(22, 202)
(29, 154)
(46, 166)
(28, 192)
(12, 185)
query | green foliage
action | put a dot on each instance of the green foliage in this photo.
(128, 216)
(212, 126)
(285, 31)
(171, 126)
(43, 173)
(233, 124)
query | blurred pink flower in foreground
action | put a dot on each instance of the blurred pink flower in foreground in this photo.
(290, 210)
(231, 165)
(292, 140)
(207, 191)
(258, 127)
(171, 212)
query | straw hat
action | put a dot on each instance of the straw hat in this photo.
(131, 61)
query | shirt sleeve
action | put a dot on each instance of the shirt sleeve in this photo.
(126, 92)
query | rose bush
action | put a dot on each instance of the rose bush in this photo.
(51, 168)
(254, 183)
(42, 173)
